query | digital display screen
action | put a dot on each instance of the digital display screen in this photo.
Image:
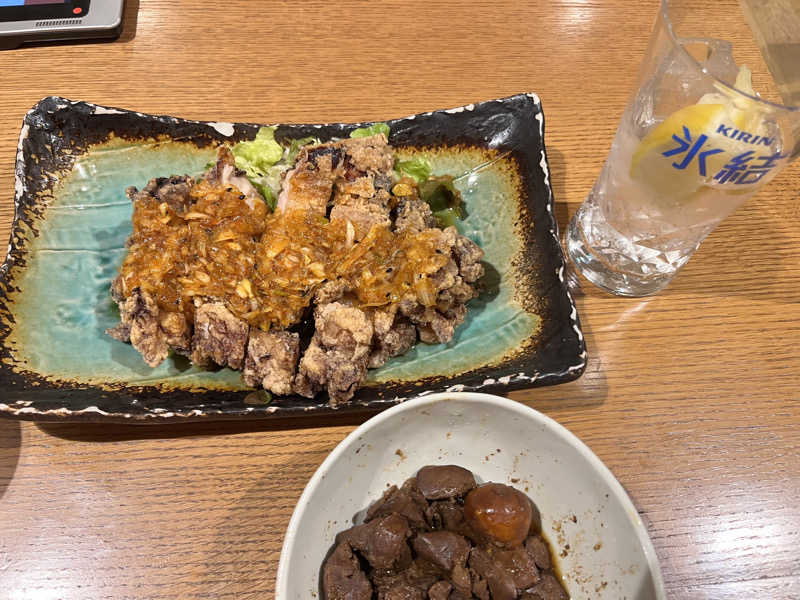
(29, 2)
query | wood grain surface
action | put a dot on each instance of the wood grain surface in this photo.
(690, 397)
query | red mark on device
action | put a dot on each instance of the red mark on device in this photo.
(77, 10)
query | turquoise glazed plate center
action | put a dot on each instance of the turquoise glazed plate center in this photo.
(73, 217)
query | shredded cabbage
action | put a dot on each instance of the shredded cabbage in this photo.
(258, 159)
(257, 156)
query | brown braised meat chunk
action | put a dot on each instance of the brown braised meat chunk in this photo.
(445, 481)
(538, 549)
(440, 590)
(406, 501)
(383, 542)
(449, 514)
(445, 549)
(212, 274)
(401, 591)
(414, 579)
(519, 565)
(501, 585)
(342, 577)
(548, 589)
(416, 543)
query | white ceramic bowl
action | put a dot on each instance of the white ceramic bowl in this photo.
(586, 515)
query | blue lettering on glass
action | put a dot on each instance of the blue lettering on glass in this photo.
(742, 171)
(685, 144)
(734, 168)
(743, 136)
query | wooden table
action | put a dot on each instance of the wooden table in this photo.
(690, 397)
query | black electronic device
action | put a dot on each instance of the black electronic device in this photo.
(45, 20)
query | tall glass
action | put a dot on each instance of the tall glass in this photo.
(694, 142)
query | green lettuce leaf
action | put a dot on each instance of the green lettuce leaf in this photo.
(266, 191)
(257, 156)
(258, 159)
(371, 130)
(418, 169)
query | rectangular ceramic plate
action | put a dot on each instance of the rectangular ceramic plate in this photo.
(72, 218)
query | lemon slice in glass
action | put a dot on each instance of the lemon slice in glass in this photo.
(724, 107)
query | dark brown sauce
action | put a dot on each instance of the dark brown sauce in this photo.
(555, 564)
